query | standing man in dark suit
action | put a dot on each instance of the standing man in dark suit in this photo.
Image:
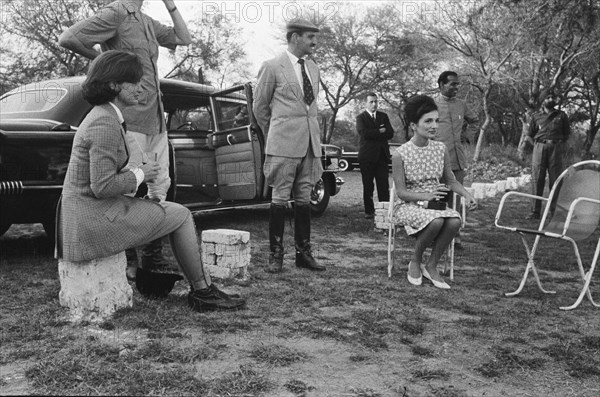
(285, 109)
(374, 130)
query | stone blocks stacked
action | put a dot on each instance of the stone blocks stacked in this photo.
(226, 253)
(381, 215)
(94, 290)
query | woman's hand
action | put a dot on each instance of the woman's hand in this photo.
(150, 171)
(471, 202)
(440, 192)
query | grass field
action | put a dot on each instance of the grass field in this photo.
(348, 331)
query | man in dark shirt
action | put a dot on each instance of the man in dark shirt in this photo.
(548, 132)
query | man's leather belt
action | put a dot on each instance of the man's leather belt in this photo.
(550, 141)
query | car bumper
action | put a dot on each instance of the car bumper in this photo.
(338, 184)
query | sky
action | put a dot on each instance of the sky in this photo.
(262, 22)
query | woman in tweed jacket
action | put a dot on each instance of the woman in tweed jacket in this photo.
(96, 218)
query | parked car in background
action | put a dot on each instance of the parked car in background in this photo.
(349, 159)
(216, 149)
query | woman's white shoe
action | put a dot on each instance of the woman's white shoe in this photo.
(437, 284)
(414, 280)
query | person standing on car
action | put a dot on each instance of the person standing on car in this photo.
(548, 132)
(121, 25)
(285, 108)
(455, 116)
(374, 130)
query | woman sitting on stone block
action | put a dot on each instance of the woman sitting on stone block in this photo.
(95, 217)
(418, 167)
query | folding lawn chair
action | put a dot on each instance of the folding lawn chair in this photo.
(392, 232)
(573, 207)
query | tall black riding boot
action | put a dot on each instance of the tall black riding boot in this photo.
(276, 227)
(304, 257)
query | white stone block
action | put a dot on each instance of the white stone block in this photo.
(227, 273)
(512, 183)
(94, 290)
(381, 225)
(524, 180)
(490, 190)
(225, 236)
(478, 190)
(378, 205)
(500, 186)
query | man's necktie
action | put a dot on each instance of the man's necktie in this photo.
(124, 125)
(309, 96)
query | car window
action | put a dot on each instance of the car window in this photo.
(230, 114)
(32, 100)
(191, 119)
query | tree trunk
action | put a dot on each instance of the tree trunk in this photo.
(485, 124)
(330, 126)
(590, 135)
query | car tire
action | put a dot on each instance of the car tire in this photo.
(319, 198)
(4, 226)
(344, 164)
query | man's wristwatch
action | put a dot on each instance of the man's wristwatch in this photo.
(172, 10)
(422, 203)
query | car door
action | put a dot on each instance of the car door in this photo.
(238, 146)
(194, 171)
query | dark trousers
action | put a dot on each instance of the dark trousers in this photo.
(379, 172)
(546, 157)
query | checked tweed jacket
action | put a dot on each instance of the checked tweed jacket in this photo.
(95, 219)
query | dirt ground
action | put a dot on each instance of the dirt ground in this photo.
(369, 337)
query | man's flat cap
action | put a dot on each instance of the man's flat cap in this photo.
(301, 25)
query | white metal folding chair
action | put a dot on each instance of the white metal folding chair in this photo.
(392, 232)
(573, 207)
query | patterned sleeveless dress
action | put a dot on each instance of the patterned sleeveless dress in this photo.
(423, 168)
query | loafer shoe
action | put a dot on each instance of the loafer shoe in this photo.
(224, 294)
(533, 216)
(213, 299)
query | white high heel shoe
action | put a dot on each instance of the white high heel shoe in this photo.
(437, 284)
(414, 280)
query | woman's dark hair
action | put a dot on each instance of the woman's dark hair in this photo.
(417, 106)
(110, 67)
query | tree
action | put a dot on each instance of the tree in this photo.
(216, 52)
(30, 50)
(348, 52)
(34, 25)
(485, 36)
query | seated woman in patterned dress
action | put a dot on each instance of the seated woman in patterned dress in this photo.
(418, 167)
